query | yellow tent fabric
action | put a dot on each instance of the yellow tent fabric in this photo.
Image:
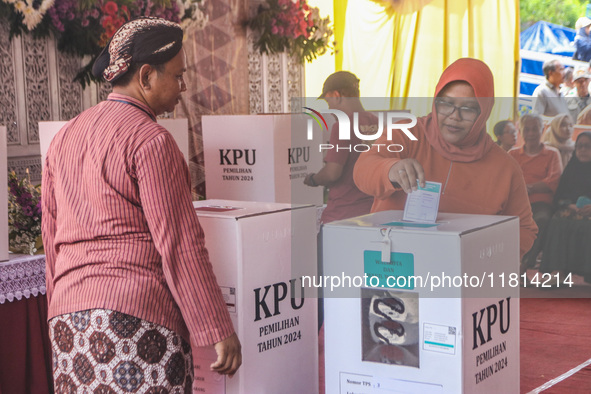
(339, 12)
(368, 46)
(403, 55)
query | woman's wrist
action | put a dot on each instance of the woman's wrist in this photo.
(313, 181)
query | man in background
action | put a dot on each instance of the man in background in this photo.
(345, 200)
(547, 98)
(583, 39)
(569, 83)
(579, 97)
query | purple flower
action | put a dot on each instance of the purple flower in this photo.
(24, 198)
(62, 11)
(25, 212)
(175, 8)
(28, 211)
(158, 11)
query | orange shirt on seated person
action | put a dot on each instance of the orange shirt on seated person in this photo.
(540, 163)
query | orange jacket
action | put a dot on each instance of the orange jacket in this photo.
(545, 167)
(493, 185)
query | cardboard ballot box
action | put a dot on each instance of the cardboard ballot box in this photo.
(261, 158)
(3, 195)
(259, 252)
(438, 312)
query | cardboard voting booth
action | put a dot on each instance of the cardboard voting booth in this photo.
(179, 128)
(261, 158)
(259, 252)
(440, 314)
(3, 195)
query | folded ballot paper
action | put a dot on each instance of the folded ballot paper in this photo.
(422, 204)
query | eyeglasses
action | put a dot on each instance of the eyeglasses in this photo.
(446, 108)
(580, 146)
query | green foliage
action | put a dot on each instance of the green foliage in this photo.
(560, 12)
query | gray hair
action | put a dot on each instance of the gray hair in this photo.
(534, 116)
(549, 66)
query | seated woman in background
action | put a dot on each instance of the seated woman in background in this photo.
(541, 170)
(568, 241)
(506, 134)
(559, 134)
(453, 148)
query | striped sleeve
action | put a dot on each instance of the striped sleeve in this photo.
(164, 188)
(48, 227)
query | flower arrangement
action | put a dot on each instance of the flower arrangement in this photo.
(193, 15)
(292, 26)
(84, 27)
(24, 215)
(30, 11)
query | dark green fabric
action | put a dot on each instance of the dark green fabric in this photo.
(568, 246)
(575, 181)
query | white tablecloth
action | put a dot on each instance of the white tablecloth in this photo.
(22, 276)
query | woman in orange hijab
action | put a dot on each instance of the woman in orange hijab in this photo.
(452, 148)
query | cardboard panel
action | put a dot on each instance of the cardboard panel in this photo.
(260, 158)
(251, 252)
(48, 130)
(447, 338)
(179, 128)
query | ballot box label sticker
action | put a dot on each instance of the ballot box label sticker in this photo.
(438, 338)
(396, 273)
(354, 383)
(229, 294)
